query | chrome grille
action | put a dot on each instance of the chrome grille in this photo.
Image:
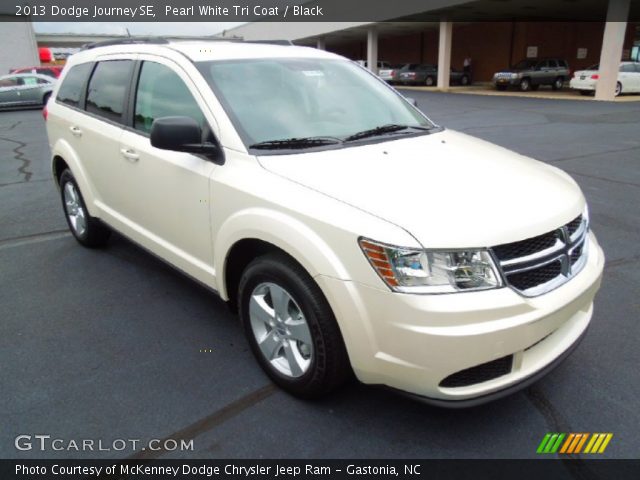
(542, 263)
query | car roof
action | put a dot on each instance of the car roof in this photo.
(205, 50)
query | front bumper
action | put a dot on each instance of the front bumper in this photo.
(506, 81)
(413, 342)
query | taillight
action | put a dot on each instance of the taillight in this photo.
(45, 113)
(595, 76)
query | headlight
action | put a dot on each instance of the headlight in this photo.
(432, 271)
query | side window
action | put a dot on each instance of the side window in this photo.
(626, 68)
(162, 93)
(543, 65)
(553, 64)
(107, 89)
(9, 82)
(70, 91)
(563, 64)
(42, 81)
(30, 81)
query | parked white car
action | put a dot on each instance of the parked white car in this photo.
(585, 81)
(350, 232)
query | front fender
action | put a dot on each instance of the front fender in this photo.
(285, 232)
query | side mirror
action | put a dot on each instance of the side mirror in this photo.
(180, 134)
(412, 101)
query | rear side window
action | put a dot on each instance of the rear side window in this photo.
(107, 89)
(563, 64)
(70, 91)
(162, 93)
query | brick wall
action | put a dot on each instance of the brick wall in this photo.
(492, 45)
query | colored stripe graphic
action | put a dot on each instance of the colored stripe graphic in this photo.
(573, 443)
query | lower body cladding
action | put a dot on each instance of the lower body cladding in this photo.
(462, 349)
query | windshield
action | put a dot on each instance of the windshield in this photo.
(278, 99)
(525, 64)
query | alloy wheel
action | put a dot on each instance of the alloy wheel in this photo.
(75, 211)
(280, 330)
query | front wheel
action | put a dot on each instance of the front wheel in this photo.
(429, 82)
(87, 230)
(525, 85)
(291, 328)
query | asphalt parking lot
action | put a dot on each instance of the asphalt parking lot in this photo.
(113, 344)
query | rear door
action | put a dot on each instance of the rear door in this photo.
(165, 194)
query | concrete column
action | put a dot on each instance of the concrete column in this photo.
(321, 44)
(372, 50)
(444, 55)
(612, 44)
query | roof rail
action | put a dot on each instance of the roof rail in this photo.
(272, 42)
(126, 41)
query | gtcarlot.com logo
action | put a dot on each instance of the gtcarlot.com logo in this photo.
(574, 443)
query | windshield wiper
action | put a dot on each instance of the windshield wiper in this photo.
(382, 130)
(305, 142)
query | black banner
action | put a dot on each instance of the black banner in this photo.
(540, 469)
(312, 10)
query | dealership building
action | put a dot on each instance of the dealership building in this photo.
(491, 45)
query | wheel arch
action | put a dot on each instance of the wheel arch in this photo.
(254, 232)
(63, 157)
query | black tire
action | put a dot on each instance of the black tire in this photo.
(525, 85)
(429, 81)
(558, 83)
(618, 89)
(501, 88)
(329, 366)
(95, 234)
(45, 99)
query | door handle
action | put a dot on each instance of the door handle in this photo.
(76, 131)
(129, 154)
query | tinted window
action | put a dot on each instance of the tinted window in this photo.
(162, 93)
(553, 64)
(71, 89)
(107, 88)
(563, 64)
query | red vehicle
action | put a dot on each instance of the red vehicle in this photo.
(49, 70)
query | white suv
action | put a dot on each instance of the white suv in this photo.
(350, 232)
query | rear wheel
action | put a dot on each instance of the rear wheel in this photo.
(291, 328)
(558, 83)
(87, 230)
(618, 89)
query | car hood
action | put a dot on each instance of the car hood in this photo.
(448, 189)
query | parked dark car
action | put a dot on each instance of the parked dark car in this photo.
(530, 73)
(427, 74)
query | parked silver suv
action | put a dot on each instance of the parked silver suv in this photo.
(529, 74)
